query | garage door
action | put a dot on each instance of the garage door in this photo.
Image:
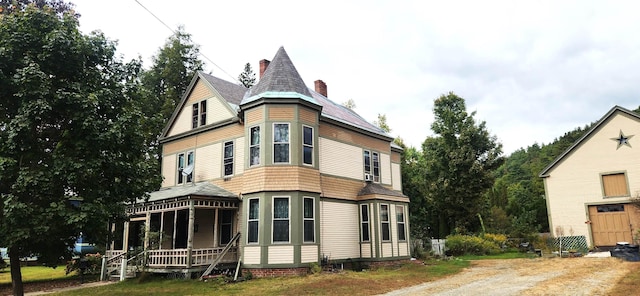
(609, 224)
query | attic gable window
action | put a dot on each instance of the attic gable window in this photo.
(615, 185)
(199, 115)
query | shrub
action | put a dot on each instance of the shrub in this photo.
(499, 239)
(314, 268)
(470, 245)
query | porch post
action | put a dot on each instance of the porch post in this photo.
(125, 237)
(147, 229)
(192, 216)
(175, 221)
(161, 230)
(216, 233)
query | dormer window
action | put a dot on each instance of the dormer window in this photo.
(199, 117)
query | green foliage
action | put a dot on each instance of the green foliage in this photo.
(247, 78)
(3, 264)
(381, 122)
(92, 264)
(351, 104)
(458, 244)
(458, 165)
(71, 150)
(314, 268)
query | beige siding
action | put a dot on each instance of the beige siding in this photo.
(203, 169)
(394, 230)
(182, 122)
(333, 132)
(404, 249)
(238, 157)
(280, 113)
(386, 250)
(309, 254)
(365, 249)
(200, 91)
(251, 255)
(308, 116)
(342, 188)
(576, 181)
(396, 176)
(216, 161)
(340, 159)
(218, 111)
(385, 168)
(280, 254)
(169, 170)
(254, 115)
(339, 224)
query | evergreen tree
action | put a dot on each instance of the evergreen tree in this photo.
(247, 78)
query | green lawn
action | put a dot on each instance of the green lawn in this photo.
(36, 273)
(342, 283)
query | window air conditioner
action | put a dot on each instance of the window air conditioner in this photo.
(368, 177)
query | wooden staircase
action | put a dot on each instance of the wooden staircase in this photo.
(220, 256)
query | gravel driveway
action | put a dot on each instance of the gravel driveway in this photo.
(540, 276)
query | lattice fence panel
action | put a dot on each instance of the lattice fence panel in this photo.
(576, 242)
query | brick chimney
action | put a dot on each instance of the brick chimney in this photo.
(321, 87)
(263, 66)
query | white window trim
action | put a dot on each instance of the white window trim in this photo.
(273, 146)
(404, 223)
(252, 220)
(363, 222)
(313, 202)
(233, 158)
(259, 145)
(306, 145)
(388, 222)
(376, 179)
(201, 111)
(273, 219)
(186, 163)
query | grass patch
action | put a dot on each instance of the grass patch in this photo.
(343, 283)
(506, 255)
(36, 274)
(628, 285)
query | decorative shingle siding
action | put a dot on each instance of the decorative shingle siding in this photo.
(254, 115)
(333, 132)
(233, 184)
(340, 188)
(281, 178)
(339, 223)
(396, 157)
(308, 116)
(179, 145)
(281, 113)
(200, 91)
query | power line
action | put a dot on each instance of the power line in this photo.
(174, 32)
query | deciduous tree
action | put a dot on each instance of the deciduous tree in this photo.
(70, 148)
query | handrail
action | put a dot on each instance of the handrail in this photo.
(220, 256)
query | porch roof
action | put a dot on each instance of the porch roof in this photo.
(202, 189)
(377, 189)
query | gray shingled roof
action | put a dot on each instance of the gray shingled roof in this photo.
(231, 92)
(281, 76)
(375, 188)
(343, 114)
(201, 189)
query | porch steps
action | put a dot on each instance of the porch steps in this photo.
(224, 251)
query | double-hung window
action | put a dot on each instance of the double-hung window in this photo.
(280, 143)
(307, 145)
(280, 219)
(254, 146)
(400, 220)
(308, 220)
(372, 165)
(253, 220)
(185, 167)
(228, 158)
(384, 222)
(364, 222)
(199, 115)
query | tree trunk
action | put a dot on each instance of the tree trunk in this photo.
(16, 274)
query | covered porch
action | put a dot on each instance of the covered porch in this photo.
(180, 229)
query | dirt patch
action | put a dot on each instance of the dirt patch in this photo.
(540, 276)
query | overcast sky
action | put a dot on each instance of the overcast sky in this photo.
(532, 70)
